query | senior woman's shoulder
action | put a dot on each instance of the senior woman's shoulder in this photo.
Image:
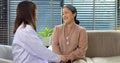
(80, 27)
(59, 26)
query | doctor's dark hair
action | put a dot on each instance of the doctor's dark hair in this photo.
(73, 10)
(25, 13)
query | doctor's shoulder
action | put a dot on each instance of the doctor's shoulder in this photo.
(28, 29)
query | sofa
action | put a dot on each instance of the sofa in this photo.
(103, 46)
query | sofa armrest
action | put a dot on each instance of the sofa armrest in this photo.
(7, 61)
(6, 52)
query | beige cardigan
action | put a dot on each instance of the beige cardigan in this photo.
(78, 42)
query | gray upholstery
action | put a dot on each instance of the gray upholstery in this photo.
(6, 54)
(103, 47)
(6, 61)
(103, 43)
(113, 59)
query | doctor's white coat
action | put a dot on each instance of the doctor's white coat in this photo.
(28, 47)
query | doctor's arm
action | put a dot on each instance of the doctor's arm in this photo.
(35, 46)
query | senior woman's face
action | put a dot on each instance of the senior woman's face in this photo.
(67, 15)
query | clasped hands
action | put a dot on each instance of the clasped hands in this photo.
(65, 58)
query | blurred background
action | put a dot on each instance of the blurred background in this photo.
(92, 14)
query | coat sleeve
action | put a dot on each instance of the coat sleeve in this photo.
(82, 47)
(55, 41)
(34, 46)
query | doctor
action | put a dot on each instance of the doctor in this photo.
(27, 47)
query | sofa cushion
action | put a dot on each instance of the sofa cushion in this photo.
(115, 59)
(89, 60)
